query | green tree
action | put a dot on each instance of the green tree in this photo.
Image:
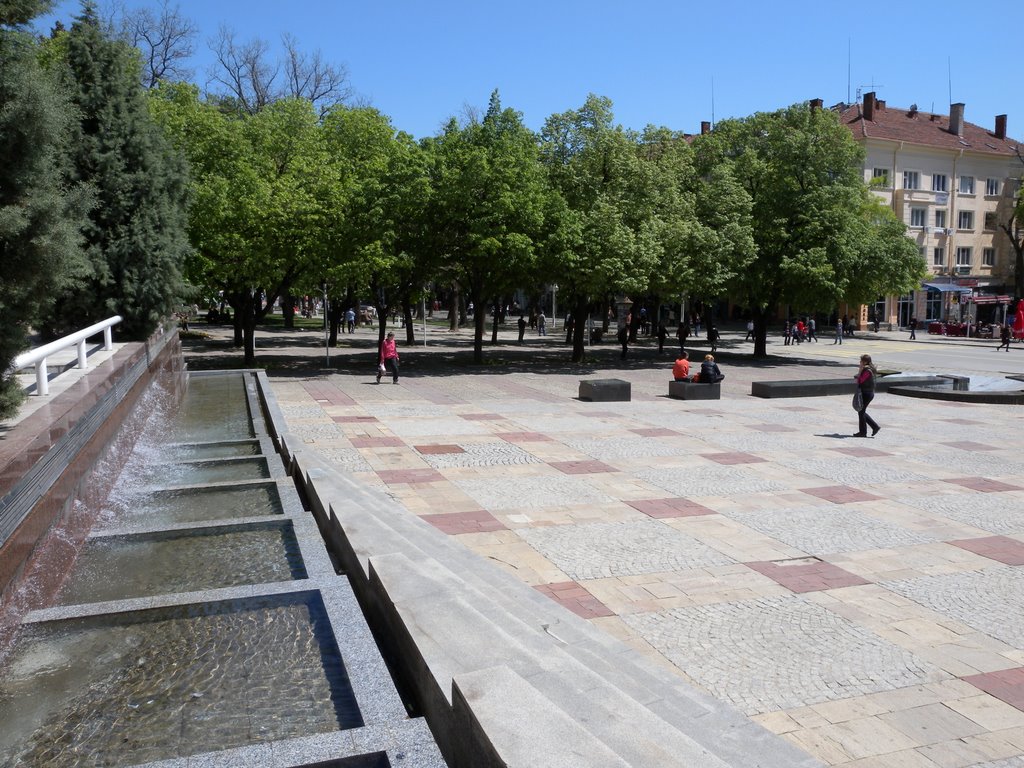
(818, 239)
(611, 235)
(41, 213)
(136, 236)
(489, 199)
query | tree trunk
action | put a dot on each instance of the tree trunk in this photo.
(410, 331)
(336, 315)
(579, 317)
(288, 310)
(479, 320)
(760, 318)
(494, 321)
(453, 311)
(236, 300)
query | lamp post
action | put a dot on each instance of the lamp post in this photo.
(327, 344)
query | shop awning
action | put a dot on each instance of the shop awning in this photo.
(989, 299)
(946, 287)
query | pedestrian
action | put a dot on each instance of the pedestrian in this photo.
(865, 378)
(713, 336)
(681, 369)
(662, 335)
(388, 358)
(570, 327)
(542, 324)
(787, 334)
(350, 320)
(1004, 337)
(812, 330)
(750, 331)
(683, 333)
(913, 328)
(839, 333)
(522, 328)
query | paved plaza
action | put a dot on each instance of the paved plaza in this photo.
(862, 597)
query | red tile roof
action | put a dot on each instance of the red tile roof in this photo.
(924, 128)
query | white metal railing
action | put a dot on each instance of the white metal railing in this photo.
(37, 356)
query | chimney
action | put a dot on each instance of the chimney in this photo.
(816, 104)
(956, 118)
(705, 127)
(869, 106)
(1000, 126)
(881, 103)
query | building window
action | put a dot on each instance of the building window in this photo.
(965, 220)
(990, 220)
(939, 182)
(963, 257)
(940, 218)
(911, 180)
(992, 187)
(988, 257)
(966, 185)
(938, 257)
(918, 217)
(880, 177)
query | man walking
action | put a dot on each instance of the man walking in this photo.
(913, 328)
(839, 333)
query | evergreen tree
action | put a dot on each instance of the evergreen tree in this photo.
(40, 214)
(136, 237)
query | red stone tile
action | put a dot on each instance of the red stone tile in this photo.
(524, 437)
(576, 598)
(661, 508)
(861, 453)
(581, 467)
(323, 392)
(773, 428)
(733, 457)
(438, 449)
(409, 476)
(809, 577)
(352, 419)
(983, 484)
(839, 494)
(1001, 548)
(377, 442)
(454, 523)
(1006, 685)
(655, 432)
(482, 416)
(970, 445)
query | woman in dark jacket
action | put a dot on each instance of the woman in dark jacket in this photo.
(709, 372)
(866, 386)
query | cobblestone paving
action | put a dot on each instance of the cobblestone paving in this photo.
(347, 459)
(993, 512)
(302, 411)
(317, 431)
(971, 463)
(531, 492)
(984, 600)
(494, 454)
(708, 481)
(759, 441)
(825, 530)
(553, 424)
(599, 550)
(413, 411)
(624, 448)
(432, 427)
(1010, 762)
(852, 471)
(779, 652)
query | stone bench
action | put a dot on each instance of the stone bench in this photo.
(824, 387)
(689, 390)
(605, 390)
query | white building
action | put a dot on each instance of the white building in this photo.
(950, 181)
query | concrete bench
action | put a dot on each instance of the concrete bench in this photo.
(824, 387)
(688, 390)
(605, 390)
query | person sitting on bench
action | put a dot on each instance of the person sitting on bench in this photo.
(681, 370)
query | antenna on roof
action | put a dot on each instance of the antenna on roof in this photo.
(712, 101)
(848, 72)
(949, 77)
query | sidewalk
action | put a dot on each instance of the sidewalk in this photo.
(863, 598)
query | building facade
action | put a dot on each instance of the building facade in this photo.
(951, 182)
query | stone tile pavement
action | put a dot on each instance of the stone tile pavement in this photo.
(863, 598)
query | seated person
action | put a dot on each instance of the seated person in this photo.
(681, 370)
(709, 372)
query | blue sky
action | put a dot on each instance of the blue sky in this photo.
(422, 62)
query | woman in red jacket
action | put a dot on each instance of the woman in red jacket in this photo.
(388, 358)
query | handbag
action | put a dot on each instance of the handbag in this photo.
(381, 369)
(858, 401)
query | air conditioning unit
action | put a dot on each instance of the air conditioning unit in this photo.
(963, 270)
(949, 231)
